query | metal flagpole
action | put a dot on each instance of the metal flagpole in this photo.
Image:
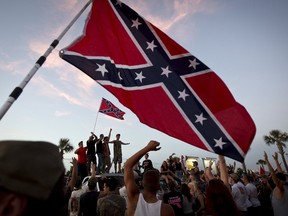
(95, 122)
(18, 90)
(97, 117)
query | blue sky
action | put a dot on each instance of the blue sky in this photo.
(244, 42)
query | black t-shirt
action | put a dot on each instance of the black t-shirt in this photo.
(91, 149)
(175, 199)
(88, 203)
(99, 147)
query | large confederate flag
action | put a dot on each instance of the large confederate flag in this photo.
(168, 88)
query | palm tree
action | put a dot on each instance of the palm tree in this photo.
(65, 146)
(279, 138)
(261, 162)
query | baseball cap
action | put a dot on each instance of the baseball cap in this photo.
(31, 168)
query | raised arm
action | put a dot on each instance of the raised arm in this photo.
(94, 136)
(131, 187)
(208, 171)
(72, 181)
(275, 156)
(273, 174)
(223, 170)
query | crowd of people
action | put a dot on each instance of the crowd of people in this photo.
(100, 147)
(33, 184)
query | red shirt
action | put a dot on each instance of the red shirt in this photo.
(81, 152)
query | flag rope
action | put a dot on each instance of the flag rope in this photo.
(19, 89)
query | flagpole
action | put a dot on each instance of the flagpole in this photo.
(19, 89)
(97, 117)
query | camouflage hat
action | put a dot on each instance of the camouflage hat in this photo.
(31, 168)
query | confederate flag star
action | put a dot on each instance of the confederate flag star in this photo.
(118, 2)
(193, 63)
(183, 95)
(136, 23)
(219, 143)
(165, 71)
(200, 118)
(139, 76)
(102, 69)
(119, 76)
(151, 45)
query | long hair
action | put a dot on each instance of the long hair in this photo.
(219, 200)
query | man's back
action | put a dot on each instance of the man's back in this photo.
(144, 208)
(88, 203)
(111, 205)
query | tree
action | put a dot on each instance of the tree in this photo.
(279, 138)
(261, 162)
(64, 146)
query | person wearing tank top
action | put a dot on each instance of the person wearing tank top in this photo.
(279, 196)
(146, 202)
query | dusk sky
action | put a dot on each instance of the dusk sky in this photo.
(244, 42)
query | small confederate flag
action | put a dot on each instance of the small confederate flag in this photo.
(168, 88)
(110, 109)
(261, 170)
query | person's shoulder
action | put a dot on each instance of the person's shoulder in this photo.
(101, 199)
(166, 210)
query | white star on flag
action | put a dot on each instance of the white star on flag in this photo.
(102, 69)
(200, 118)
(151, 45)
(219, 143)
(193, 63)
(183, 94)
(119, 3)
(166, 71)
(139, 76)
(136, 23)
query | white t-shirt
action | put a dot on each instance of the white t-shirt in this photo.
(74, 202)
(253, 194)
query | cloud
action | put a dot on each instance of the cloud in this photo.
(74, 96)
(69, 76)
(172, 12)
(61, 113)
(13, 67)
(66, 5)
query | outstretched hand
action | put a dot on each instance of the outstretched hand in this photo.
(153, 145)
(211, 163)
(275, 156)
(74, 162)
(265, 156)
